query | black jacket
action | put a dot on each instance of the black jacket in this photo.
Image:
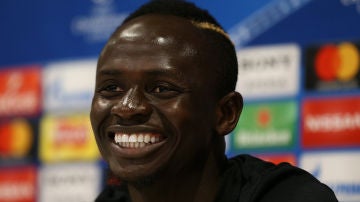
(248, 179)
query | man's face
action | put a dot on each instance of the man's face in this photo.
(153, 111)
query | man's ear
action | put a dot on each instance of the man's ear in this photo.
(228, 112)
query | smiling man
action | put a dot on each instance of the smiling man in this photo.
(163, 102)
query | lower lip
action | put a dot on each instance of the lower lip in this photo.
(136, 152)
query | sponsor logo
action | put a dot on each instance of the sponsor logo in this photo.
(20, 91)
(266, 126)
(339, 170)
(99, 23)
(333, 66)
(17, 184)
(278, 158)
(69, 182)
(268, 71)
(67, 138)
(331, 122)
(67, 134)
(69, 86)
(16, 138)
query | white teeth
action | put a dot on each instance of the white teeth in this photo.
(124, 138)
(132, 138)
(147, 138)
(117, 138)
(135, 140)
(152, 139)
(140, 138)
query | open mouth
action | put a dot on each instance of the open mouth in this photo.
(135, 140)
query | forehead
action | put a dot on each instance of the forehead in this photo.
(162, 33)
(154, 43)
(159, 29)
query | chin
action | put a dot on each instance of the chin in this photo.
(138, 180)
(137, 176)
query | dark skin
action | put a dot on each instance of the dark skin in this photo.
(156, 75)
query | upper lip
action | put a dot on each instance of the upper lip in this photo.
(133, 129)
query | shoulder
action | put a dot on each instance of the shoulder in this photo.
(284, 182)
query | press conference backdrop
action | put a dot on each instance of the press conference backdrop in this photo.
(298, 73)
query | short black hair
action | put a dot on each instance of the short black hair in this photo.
(224, 48)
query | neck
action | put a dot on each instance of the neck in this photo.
(200, 185)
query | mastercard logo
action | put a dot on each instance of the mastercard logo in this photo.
(337, 62)
(16, 138)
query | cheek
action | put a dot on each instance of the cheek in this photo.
(176, 107)
(100, 109)
(177, 110)
(186, 115)
(192, 128)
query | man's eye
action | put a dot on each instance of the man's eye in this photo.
(162, 89)
(165, 91)
(113, 88)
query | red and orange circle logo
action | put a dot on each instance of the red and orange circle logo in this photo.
(16, 139)
(337, 62)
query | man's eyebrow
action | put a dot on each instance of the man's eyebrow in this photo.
(169, 73)
(109, 72)
(178, 75)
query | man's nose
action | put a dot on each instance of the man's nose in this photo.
(132, 108)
